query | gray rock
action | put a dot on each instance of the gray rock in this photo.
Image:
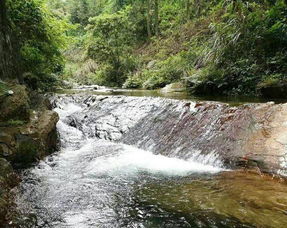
(213, 133)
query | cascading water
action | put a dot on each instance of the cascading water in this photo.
(90, 181)
(120, 165)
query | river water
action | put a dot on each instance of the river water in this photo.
(97, 182)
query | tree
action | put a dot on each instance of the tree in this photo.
(110, 37)
(80, 12)
(148, 19)
(30, 40)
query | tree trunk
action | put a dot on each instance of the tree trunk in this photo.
(198, 7)
(8, 54)
(156, 17)
(3, 40)
(187, 2)
(148, 20)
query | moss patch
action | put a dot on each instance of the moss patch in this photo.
(26, 152)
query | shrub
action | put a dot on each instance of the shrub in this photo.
(132, 82)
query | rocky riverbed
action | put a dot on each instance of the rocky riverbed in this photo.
(248, 136)
(155, 162)
(126, 161)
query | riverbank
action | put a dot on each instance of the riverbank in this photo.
(27, 134)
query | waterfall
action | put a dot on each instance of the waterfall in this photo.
(155, 162)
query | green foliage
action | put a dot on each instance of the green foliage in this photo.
(132, 82)
(15, 123)
(109, 42)
(247, 45)
(164, 72)
(220, 47)
(41, 36)
(3, 89)
(170, 16)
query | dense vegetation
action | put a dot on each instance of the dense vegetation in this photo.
(32, 38)
(215, 46)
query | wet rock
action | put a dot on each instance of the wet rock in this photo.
(174, 87)
(8, 180)
(6, 141)
(249, 136)
(42, 129)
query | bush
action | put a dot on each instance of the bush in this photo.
(132, 82)
(154, 81)
(41, 81)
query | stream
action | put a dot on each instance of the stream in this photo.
(106, 174)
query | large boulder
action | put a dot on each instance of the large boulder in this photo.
(36, 139)
(30, 142)
(28, 128)
(16, 105)
(43, 128)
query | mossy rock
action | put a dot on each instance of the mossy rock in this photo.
(16, 106)
(27, 151)
(273, 89)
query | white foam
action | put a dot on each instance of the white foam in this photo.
(67, 109)
(132, 160)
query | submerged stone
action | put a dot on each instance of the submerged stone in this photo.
(248, 198)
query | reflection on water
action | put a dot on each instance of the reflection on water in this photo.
(249, 198)
(105, 184)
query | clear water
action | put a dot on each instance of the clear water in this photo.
(233, 100)
(96, 183)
